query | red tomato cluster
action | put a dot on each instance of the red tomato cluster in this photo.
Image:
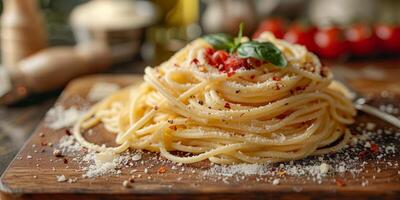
(229, 63)
(332, 42)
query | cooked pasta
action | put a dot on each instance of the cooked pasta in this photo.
(255, 115)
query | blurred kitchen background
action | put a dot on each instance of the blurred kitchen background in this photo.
(77, 37)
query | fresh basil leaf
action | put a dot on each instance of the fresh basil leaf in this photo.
(220, 41)
(263, 51)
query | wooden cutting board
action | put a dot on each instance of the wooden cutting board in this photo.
(32, 174)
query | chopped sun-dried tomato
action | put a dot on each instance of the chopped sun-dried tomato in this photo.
(374, 148)
(227, 105)
(220, 56)
(276, 78)
(229, 63)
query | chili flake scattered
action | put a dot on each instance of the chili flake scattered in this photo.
(374, 148)
(173, 127)
(340, 182)
(362, 154)
(161, 170)
(276, 78)
(227, 105)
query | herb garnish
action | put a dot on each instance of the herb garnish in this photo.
(265, 51)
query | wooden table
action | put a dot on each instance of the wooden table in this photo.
(18, 121)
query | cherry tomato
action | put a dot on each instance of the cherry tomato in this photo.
(389, 37)
(362, 39)
(220, 56)
(301, 34)
(276, 26)
(330, 42)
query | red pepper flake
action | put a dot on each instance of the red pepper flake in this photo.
(340, 182)
(201, 102)
(227, 105)
(362, 154)
(276, 78)
(68, 132)
(161, 170)
(252, 76)
(237, 91)
(374, 148)
(65, 161)
(195, 61)
(173, 127)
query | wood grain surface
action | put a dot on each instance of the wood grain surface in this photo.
(35, 178)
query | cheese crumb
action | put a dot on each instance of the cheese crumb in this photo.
(58, 117)
(103, 157)
(370, 126)
(342, 169)
(136, 157)
(276, 181)
(324, 168)
(61, 178)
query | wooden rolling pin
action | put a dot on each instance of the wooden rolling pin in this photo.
(54, 67)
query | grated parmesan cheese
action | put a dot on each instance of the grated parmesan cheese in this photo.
(275, 181)
(58, 117)
(101, 90)
(61, 178)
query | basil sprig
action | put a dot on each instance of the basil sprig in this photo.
(220, 41)
(265, 51)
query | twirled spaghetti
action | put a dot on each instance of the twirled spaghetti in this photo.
(257, 115)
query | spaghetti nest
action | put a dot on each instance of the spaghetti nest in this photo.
(257, 115)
